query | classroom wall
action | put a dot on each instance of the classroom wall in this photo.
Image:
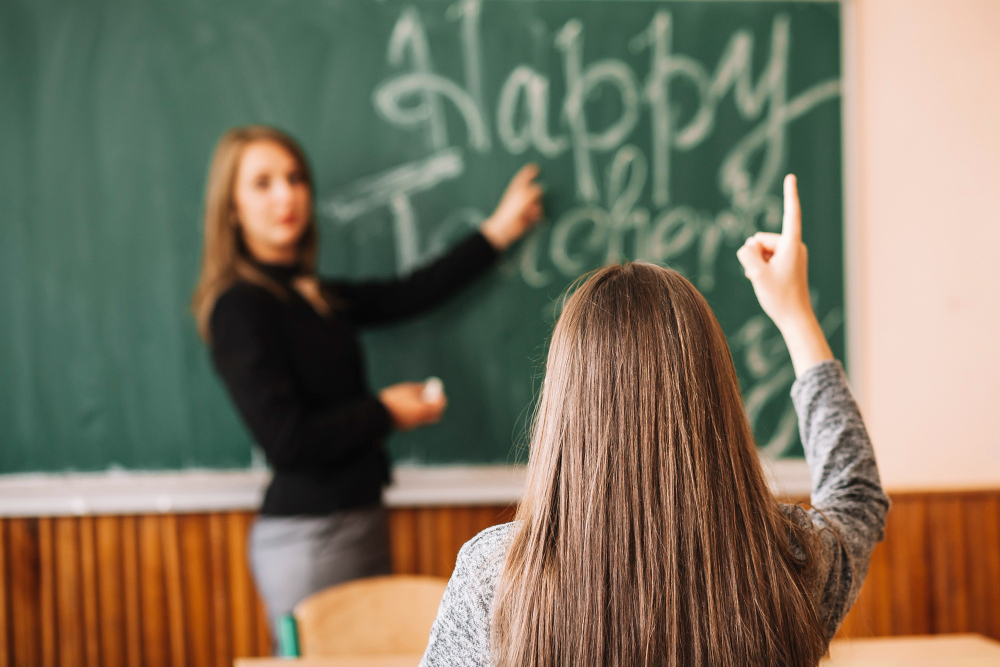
(927, 152)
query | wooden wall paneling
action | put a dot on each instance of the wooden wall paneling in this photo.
(402, 540)
(174, 588)
(132, 590)
(880, 592)
(982, 534)
(88, 580)
(196, 562)
(110, 615)
(242, 598)
(426, 553)
(69, 592)
(153, 595)
(177, 590)
(263, 631)
(48, 621)
(220, 600)
(482, 518)
(461, 521)
(881, 618)
(950, 585)
(444, 537)
(4, 617)
(427, 540)
(991, 527)
(24, 588)
(909, 575)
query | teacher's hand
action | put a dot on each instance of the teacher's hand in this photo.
(405, 403)
(518, 211)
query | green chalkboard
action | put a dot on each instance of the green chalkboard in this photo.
(662, 130)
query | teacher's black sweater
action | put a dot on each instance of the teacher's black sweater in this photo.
(298, 378)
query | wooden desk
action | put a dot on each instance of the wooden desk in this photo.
(923, 651)
(920, 651)
(360, 661)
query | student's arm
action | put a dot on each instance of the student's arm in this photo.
(847, 494)
(249, 356)
(380, 302)
(385, 301)
(849, 506)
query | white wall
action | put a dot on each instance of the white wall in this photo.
(927, 149)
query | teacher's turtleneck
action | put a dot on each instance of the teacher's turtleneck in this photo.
(298, 377)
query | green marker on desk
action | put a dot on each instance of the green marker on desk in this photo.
(288, 637)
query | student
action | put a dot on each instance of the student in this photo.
(286, 345)
(647, 534)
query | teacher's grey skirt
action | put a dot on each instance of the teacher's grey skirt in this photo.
(294, 557)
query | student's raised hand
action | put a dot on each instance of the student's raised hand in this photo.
(518, 211)
(777, 266)
(407, 405)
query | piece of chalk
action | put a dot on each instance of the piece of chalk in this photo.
(433, 390)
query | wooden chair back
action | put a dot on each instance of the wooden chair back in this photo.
(389, 615)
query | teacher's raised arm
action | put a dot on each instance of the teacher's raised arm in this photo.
(386, 301)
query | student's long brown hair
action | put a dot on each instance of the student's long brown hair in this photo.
(225, 258)
(647, 534)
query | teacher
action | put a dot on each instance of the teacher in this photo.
(285, 343)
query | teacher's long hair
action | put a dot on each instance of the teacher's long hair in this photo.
(225, 258)
(648, 534)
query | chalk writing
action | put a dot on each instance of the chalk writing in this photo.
(629, 211)
(393, 189)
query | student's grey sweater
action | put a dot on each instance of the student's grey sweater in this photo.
(848, 518)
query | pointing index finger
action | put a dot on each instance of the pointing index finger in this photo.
(526, 174)
(791, 226)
